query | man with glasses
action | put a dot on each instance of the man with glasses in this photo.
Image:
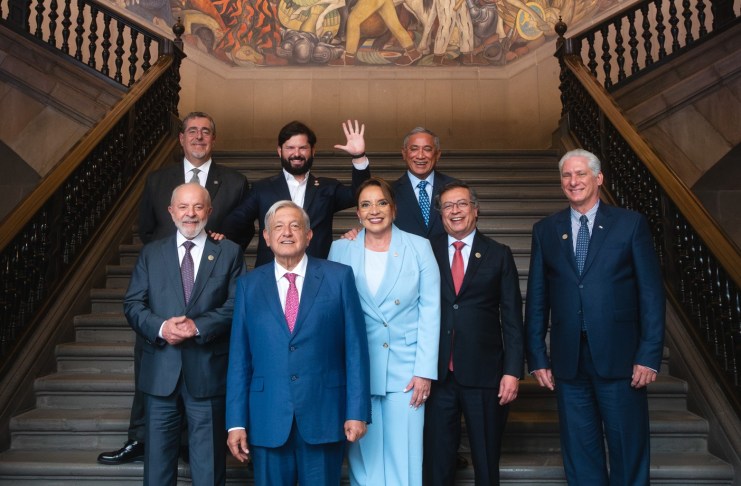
(226, 187)
(481, 343)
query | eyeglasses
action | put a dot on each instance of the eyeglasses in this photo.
(193, 131)
(462, 205)
(366, 205)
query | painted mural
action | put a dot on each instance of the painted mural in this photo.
(366, 32)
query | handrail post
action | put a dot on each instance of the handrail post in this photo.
(722, 12)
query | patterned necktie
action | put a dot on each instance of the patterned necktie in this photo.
(195, 177)
(424, 201)
(582, 243)
(186, 271)
(457, 267)
(291, 301)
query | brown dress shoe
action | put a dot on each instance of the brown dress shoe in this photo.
(409, 57)
(470, 59)
(444, 60)
(346, 59)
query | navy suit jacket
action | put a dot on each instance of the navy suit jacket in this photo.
(317, 375)
(324, 197)
(620, 293)
(155, 294)
(408, 213)
(227, 188)
(486, 315)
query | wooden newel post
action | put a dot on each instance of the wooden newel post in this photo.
(19, 11)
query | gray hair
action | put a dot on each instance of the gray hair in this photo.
(417, 130)
(194, 184)
(286, 204)
(198, 114)
(592, 161)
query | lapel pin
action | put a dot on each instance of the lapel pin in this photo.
(600, 227)
(216, 183)
(396, 254)
(210, 258)
(565, 236)
(316, 182)
(478, 255)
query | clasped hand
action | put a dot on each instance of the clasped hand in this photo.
(178, 329)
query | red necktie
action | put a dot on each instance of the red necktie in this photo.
(457, 267)
(457, 270)
(291, 301)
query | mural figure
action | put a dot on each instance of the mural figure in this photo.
(369, 32)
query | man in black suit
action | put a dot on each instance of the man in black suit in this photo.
(180, 302)
(226, 187)
(481, 343)
(416, 213)
(320, 197)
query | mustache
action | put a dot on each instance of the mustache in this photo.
(297, 157)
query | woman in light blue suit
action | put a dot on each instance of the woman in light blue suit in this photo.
(399, 285)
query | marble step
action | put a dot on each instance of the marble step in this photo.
(71, 468)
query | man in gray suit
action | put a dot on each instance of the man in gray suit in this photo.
(180, 302)
(225, 186)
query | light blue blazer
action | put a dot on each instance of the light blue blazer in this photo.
(403, 319)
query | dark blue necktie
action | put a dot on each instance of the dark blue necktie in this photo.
(424, 201)
(582, 244)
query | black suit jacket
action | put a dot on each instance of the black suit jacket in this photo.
(226, 186)
(486, 315)
(324, 197)
(408, 213)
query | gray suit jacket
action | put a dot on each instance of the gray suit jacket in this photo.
(156, 293)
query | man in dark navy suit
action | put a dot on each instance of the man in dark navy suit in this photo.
(320, 197)
(595, 276)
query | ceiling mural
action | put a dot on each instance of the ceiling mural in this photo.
(366, 32)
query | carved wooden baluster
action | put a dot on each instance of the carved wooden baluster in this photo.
(591, 55)
(106, 44)
(633, 42)
(700, 6)
(687, 14)
(53, 16)
(674, 22)
(619, 49)
(147, 56)
(80, 29)
(119, 52)
(66, 23)
(40, 8)
(734, 326)
(606, 56)
(133, 59)
(93, 36)
(647, 47)
(660, 28)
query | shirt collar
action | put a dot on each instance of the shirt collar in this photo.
(199, 240)
(468, 239)
(416, 180)
(291, 178)
(203, 167)
(299, 269)
(576, 215)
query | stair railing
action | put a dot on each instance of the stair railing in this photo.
(91, 33)
(56, 224)
(702, 265)
(645, 35)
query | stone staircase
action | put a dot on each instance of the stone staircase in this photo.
(83, 408)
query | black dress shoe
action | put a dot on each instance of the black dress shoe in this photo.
(461, 462)
(130, 452)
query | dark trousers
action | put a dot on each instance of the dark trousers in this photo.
(137, 420)
(206, 438)
(485, 421)
(589, 405)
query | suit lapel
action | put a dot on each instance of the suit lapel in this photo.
(210, 256)
(563, 233)
(357, 262)
(407, 198)
(312, 186)
(478, 253)
(280, 186)
(394, 263)
(171, 261)
(213, 182)
(271, 298)
(312, 283)
(600, 228)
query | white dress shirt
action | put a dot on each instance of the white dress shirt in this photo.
(283, 283)
(202, 175)
(465, 251)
